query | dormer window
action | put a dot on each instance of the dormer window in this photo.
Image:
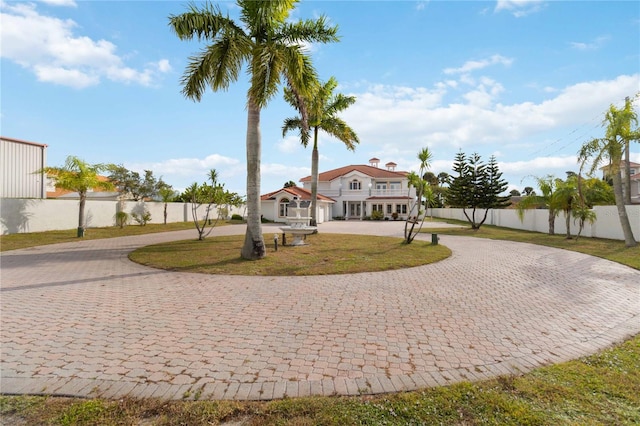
(355, 185)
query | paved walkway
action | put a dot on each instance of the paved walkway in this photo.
(80, 319)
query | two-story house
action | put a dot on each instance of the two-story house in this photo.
(634, 177)
(359, 190)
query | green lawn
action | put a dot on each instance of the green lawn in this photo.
(18, 241)
(324, 254)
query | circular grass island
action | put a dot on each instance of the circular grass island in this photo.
(324, 254)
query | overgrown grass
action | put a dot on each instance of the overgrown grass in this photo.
(324, 254)
(19, 241)
(614, 250)
(601, 389)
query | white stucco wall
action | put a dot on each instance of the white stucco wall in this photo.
(607, 224)
(19, 215)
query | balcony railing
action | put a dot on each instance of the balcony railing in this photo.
(333, 193)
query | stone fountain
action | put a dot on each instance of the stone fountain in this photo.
(298, 225)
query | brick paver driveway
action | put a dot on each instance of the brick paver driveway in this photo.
(81, 319)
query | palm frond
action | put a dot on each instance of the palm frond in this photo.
(337, 128)
(309, 31)
(204, 23)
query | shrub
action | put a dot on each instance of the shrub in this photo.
(377, 215)
(122, 218)
(142, 218)
(236, 216)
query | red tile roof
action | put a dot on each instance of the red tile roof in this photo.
(374, 172)
(631, 164)
(59, 192)
(296, 191)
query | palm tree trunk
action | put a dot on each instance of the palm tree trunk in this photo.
(629, 241)
(314, 179)
(567, 222)
(81, 224)
(552, 222)
(165, 213)
(627, 174)
(253, 247)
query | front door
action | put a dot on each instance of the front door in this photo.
(355, 210)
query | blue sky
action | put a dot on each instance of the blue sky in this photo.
(526, 81)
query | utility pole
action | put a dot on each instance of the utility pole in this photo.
(627, 164)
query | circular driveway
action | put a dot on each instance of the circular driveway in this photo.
(80, 319)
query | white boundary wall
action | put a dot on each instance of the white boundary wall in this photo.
(607, 224)
(21, 215)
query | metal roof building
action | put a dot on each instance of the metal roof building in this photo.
(19, 164)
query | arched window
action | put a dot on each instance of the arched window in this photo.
(283, 207)
(355, 185)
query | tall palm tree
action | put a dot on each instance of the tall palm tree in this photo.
(322, 108)
(271, 48)
(78, 176)
(627, 137)
(609, 149)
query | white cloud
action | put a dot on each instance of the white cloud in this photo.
(285, 172)
(71, 3)
(480, 64)
(598, 43)
(49, 48)
(289, 144)
(164, 66)
(422, 4)
(401, 120)
(560, 164)
(519, 8)
(66, 77)
(181, 172)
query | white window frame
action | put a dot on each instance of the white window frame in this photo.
(283, 207)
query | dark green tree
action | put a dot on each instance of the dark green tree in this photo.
(131, 184)
(476, 186)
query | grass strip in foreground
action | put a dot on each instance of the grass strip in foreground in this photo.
(324, 254)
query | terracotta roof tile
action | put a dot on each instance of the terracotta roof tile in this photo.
(59, 192)
(374, 172)
(296, 191)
